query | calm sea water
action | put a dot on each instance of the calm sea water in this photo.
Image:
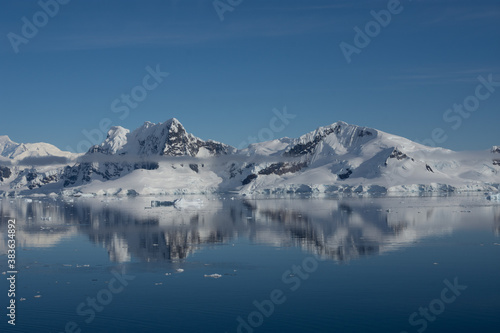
(417, 264)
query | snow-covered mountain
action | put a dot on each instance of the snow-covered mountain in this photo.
(162, 139)
(19, 151)
(123, 152)
(342, 157)
(164, 158)
(30, 165)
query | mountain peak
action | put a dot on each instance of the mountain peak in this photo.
(168, 138)
(7, 146)
(173, 121)
(115, 140)
(5, 139)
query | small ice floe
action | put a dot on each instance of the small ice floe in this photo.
(493, 197)
(167, 274)
(158, 283)
(213, 276)
(22, 299)
(183, 203)
(37, 296)
(179, 270)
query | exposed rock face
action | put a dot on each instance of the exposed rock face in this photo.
(282, 167)
(83, 173)
(165, 139)
(5, 173)
(308, 147)
(345, 175)
(150, 140)
(399, 155)
(339, 134)
(336, 158)
(33, 178)
(194, 167)
(249, 179)
(496, 150)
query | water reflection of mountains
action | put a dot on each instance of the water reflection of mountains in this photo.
(336, 229)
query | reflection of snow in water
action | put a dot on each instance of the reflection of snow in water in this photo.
(493, 197)
(183, 203)
(118, 249)
(340, 229)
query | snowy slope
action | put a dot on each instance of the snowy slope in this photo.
(345, 158)
(164, 158)
(18, 151)
(30, 165)
(146, 149)
(164, 139)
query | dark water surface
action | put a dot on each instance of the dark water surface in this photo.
(428, 264)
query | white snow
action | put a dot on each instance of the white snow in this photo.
(19, 151)
(339, 158)
(183, 203)
(493, 197)
(213, 276)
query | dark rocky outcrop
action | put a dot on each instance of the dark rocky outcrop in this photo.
(5, 173)
(309, 147)
(282, 168)
(194, 167)
(345, 175)
(248, 179)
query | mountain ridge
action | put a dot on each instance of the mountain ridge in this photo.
(162, 158)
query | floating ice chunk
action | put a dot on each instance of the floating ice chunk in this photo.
(179, 270)
(183, 203)
(213, 276)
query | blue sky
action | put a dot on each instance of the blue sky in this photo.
(225, 77)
